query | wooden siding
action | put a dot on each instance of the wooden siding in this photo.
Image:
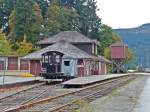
(80, 71)
(119, 52)
(24, 64)
(12, 63)
(1, 65)
(103, 69)
(35, 67)
(85, 47)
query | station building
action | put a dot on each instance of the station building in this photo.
(80, 56)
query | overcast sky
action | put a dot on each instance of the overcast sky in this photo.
(124, 13)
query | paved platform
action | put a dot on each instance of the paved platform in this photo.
(14, 80)
(81, 81)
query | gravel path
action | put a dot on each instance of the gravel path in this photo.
(123, 99)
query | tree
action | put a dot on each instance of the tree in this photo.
(25, 19)
(5, 47)
(106, 37)
(89, 22)
(43, 6)
(6, 7)
(24, 47)
(59, 18)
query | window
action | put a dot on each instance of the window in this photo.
(24, 62)
(80, 61)
(67, 63)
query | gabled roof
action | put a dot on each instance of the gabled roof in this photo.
(67, 49)
(68, 36)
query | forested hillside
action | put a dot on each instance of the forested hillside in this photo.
(24, 22)
(139, 40)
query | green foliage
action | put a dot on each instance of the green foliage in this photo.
(24, 47)
(131, 55)
(5, 47)
(25, 19)
(107, 53)
(6, 7)
(107, 37)
(89, 22)
(43, 6)
(58, 18)
(33, 17)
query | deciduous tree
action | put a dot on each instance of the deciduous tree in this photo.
(5, 47)
(25, 19)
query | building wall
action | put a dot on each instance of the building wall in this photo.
(2, 63)
(12, 63)
(35, 67)
(24, 65)
(90, 48)
(87, 47)
(103, 68)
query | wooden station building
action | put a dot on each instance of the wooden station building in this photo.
(79, 56)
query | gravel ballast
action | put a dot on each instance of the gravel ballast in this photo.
(124, 99)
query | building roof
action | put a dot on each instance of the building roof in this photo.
(104, 59)
(67, 49)
(119, 44)
(69, 36)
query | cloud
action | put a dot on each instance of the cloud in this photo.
(124, 13)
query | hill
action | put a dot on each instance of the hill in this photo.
(138, 39)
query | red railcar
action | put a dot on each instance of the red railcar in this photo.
(119, 51)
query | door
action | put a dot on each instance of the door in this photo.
(35, 67)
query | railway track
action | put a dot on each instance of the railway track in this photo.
(67, 101)
(27, 95)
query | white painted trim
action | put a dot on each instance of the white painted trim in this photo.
(19, 63)
(29, 62)
(93, 52)
(6, 63)
(95, 49)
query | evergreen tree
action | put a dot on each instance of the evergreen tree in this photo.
(59, 18)
(25, 19)
(6, 7)
(89, 22)
(43, 6)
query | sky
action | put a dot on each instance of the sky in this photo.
(124, 13)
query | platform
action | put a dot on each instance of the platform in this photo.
(82, 81)
(14, 80)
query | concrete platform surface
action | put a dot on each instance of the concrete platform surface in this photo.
(13, 79)
(91, 79)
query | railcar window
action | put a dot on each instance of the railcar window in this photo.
(67, 63)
